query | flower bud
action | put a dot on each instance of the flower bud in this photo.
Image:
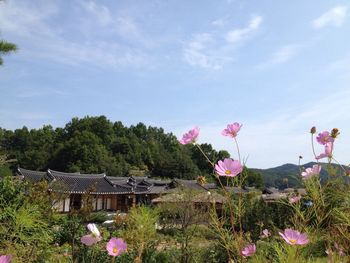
(335, 133)
(313, 130)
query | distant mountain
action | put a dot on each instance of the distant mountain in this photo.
(288, 175)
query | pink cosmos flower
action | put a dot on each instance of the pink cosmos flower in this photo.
(249, 250)
(324, 137)
(228, 167)
(294, 237)
(265, 233)
(294, 199)
(232, 129)
(328, 149)
(115, 246)
(309, 172)
(190, 136)
(93, 238)
(5, 259)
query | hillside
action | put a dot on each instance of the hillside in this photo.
(288, 175)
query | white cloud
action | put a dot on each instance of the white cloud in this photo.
(239, 34)
(282, 55)
(211, 51)
(335, 17)
(198, 52)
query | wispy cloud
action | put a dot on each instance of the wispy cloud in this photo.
(282, 55)
(40, 39)
(335, 17)
(101, 13)
(199, 52)
(26, 93)
(214, 50)
(236, 35)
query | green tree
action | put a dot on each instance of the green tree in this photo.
(6, 48)
(83, 152)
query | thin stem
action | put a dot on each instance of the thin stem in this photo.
(212, 164)
(239, 154)
(313, 146)
(341, 166)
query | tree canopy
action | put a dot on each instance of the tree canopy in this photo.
(6, 48)
(97, 145)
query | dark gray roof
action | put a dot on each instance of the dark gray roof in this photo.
(189, 184)
(102, 184)
(81, 183)
(75, 182)
(270, 190)
(210, 186)
(158, 189)
(235, 190)
(140, 185)
(32, 176)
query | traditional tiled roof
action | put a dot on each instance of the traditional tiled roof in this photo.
(140, 185)
(235, 190)
(32, 176)
(158, 189)
(81, 183)
(102, 184)
(75, 182)
(270, 190)
(210, 186)
(187, 184)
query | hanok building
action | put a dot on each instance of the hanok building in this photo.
(109, 193)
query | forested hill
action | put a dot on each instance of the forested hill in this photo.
(96, 145)
(288, 175)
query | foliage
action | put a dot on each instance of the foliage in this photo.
(184, 216)
(97, 145)
(140, 233)
(6, 48)
(24, 230)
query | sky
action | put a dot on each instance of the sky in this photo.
(277, 67)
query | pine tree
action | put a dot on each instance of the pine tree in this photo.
(5, 48)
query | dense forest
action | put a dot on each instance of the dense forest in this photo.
(97, 145)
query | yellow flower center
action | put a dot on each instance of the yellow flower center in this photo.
(228, 172)
(115, 250)
(293, 241)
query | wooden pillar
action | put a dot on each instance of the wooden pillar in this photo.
(133, 200)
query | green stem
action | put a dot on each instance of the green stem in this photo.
(341, 166)
(313, 146)
(206, 157)
(237, 146)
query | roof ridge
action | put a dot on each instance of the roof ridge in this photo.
(19, 169)
(101, 175)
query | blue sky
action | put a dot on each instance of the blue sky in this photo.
(278, 67)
